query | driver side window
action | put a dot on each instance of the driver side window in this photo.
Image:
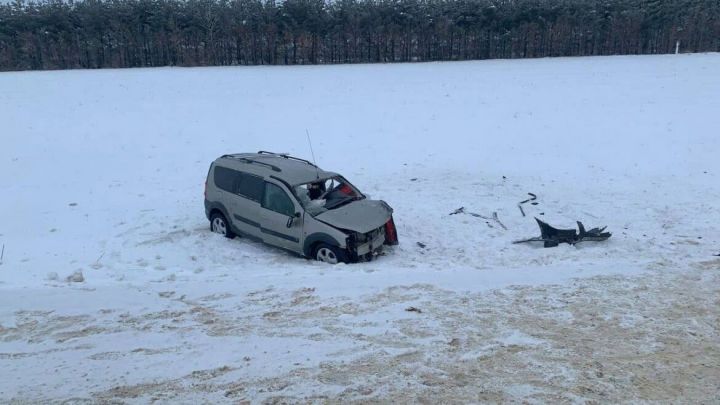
(275, 199)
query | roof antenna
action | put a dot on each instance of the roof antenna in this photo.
(317, 171)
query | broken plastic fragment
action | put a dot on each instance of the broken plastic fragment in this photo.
(552, 236)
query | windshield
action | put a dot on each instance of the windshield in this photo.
(326, 194)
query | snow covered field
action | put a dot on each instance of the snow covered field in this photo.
(102, 176)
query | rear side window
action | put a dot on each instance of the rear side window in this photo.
(244, 184)
(250, 186)
(225, 178)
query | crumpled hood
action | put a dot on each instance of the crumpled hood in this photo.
(359, 216)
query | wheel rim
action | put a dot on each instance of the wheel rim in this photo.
(219, 226)
(326, 255)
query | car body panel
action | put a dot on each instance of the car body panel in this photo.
(274, 225)
(244, 214)
(310, 241)
(360, 216)
(315, 227)
(275, 231)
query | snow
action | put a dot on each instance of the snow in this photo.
(103, 172)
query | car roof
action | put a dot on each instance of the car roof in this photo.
(292, 170)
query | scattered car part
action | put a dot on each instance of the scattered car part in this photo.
(461, 210)
(533, 197)
(552, 236)
(495, 218)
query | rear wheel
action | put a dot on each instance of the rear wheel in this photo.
(329, 254)
(220, 225)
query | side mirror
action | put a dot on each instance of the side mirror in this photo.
(291, 219)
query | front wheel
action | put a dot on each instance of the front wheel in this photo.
(329, 254)
(220, 225)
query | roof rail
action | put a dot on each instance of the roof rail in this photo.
(248, 160)
(286, 156)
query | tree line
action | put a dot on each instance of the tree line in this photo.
(57, 34)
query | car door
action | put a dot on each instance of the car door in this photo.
(279, 224)
(245, 203)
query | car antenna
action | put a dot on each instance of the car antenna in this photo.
(317, 171)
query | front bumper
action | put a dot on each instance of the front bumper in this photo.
(373, 245)
(365, 251)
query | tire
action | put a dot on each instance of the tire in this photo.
(329, 254)
(220, 225)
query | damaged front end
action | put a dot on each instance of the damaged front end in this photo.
(365, 246)
(367, 224)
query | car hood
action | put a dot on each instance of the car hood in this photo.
(359, 216)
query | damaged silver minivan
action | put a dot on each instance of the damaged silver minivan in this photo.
(291, 203)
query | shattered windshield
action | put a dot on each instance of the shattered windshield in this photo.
(326, 194)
